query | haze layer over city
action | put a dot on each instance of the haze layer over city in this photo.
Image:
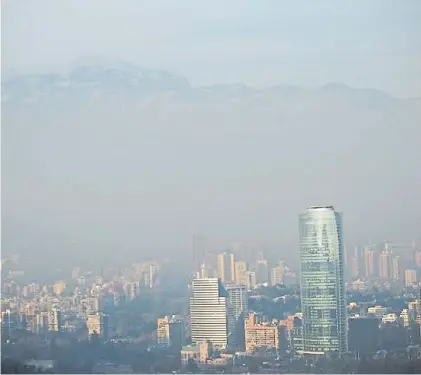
(140, 126)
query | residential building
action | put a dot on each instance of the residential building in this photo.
(226, 267)
(251, 280)
(385, 265)
(170, 331)
(410, 277)
(98, 324)
(396, 268)
(261, 335)
(369, 256)
(54, 320)
(198, 353)
(262, 271)
(240, 272)
(277, 275)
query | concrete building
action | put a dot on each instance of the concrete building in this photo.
(385, 265)
(198, 353)
(262, 271)
(54, 320)
(240, 272)
(98, 324)
(369, 256)
(261, 335)
(251, 280)
(170, 331)
(277, 275)
(410, 277)
(226, 267)
(396, 268)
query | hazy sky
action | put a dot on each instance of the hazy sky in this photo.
(116, 173)
(373, 43)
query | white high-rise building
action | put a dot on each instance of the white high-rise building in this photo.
(208, 312)
(322, 281)
(277, 274)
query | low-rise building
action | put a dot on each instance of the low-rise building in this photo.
(198, 353)
(261, 335)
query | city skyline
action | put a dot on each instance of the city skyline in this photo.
(210, 187)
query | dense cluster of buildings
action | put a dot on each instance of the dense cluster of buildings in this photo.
(221, 323)
(219, 326)
(84, 305)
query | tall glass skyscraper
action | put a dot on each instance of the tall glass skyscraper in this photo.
(323, 301)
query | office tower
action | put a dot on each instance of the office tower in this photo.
(261, 335)
(277, 275)
(98, 324)
(208, 312)
(322, 281)
(240, 272)
(262, 271)
(237, 308)
(226, 267)
(250, 279)
(410, 277)
(199, 251)
(170, 331)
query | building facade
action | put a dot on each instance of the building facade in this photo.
(170, 331)
(226, 267)
(410, 277)
(322, 281)
(240, 272)
(98, 324)
(209, 312)
(237, 310)
(261, 336)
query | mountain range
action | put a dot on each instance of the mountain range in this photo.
(83, 150)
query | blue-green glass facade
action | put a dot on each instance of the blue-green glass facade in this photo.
(323, 301)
